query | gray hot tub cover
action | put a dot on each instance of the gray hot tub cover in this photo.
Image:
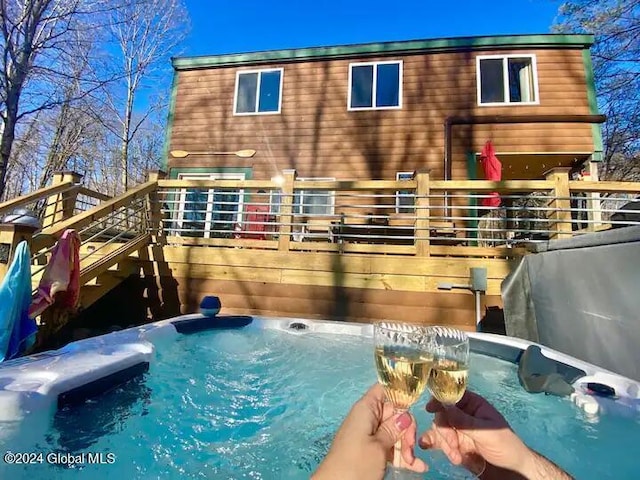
(581, 296)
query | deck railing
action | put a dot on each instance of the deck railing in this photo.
(415, 217)
(420, 217)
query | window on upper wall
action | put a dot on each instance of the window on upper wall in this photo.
(258, 92)
(375, 86)
(507, 79)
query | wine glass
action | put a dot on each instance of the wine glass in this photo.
(449, 375)
(403, 357)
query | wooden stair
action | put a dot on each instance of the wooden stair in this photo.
(99, 277)
(98, 287)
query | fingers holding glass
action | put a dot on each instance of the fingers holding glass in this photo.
(403, 363)
(447, 383)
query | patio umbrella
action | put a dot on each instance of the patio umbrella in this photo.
(492, 169)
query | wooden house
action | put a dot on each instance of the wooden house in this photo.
(380, 110)
(414, 113)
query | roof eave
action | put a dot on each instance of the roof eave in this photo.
(386, 48)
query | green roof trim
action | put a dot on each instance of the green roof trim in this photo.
(596, 129)
(169, 127)
(386, 48)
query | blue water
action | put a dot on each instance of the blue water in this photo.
(252, 404)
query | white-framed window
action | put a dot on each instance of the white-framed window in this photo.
(314, 202)
(306, 202)
(405, 199)
(275, 198)
(258, 92)
(507, 80)
(209, 212)
(375, 86)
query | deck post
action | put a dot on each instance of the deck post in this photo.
(561, 205)
(61, 206)
(11, 234)
(422, 214)
(594, 204)
(286, 210)
(154, 207)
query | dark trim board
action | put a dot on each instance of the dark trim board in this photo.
(194, 325)
(99, 386)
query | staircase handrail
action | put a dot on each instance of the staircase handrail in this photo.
(40, 194)
(82, 219)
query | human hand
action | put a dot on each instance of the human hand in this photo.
(474, 427)
(364, 443)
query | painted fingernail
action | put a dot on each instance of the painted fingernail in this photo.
(403, 421)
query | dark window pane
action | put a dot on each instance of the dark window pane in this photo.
(491, 81)
(297, 202)
(225, 211)
(269, 92)
(247, 86)
(406, 200)
(274, 202)
(316, 202)
(362, 86)
(195, 212)
(388, 86)
(520, 80)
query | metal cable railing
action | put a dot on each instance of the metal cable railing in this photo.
(116, 227)
(395, 217)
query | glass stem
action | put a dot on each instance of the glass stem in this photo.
(397, 454)
(397, 448)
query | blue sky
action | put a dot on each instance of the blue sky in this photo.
(229, 26)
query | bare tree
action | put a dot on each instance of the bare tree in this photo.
(616, 60)
(38, 40)
(28, 147)
(151, 31)
(71, 125)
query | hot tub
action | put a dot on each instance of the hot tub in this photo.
(257, 397)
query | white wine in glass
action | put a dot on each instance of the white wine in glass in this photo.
(448, 381)
(448, 377)
(403, 358)
(403, 374)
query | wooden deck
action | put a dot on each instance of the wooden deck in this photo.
(343, 275)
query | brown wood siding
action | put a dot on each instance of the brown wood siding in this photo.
(318, 136)
(321, 302)
(323, 285)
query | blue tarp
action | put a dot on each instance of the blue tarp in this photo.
(17, 330)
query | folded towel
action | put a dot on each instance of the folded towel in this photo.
(17, 330)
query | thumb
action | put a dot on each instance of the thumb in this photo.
(391, 429)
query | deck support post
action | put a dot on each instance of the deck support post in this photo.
(286, 210)
(560, 205)
(154, 207)
(11, 234)
(594, 204)
(422, 214)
